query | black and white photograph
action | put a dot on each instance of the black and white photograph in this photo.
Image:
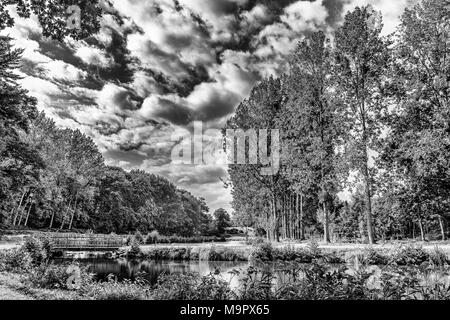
(242, 152)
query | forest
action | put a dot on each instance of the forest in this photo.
(56, 178)
(362, 114)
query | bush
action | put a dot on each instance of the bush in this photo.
(226, 254)
(39, 249)
(409, 255)
(263, 252)
(135, 250)
(370, 256)
(178, 239)
(438, 257)
(15, 260)
(138, 237)
(190, 287)
(129, 240)
(114, 290)
(152, 237)
(55, 276)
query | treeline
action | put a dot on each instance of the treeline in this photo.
(56, 178)
(361, 112)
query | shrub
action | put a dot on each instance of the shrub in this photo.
(226, 254)
(255, 284)
(195, 239)
(55, 276)
(263, 252)
(114, 290)
(138, 237)
(409, 255)
(152, 237)
(190, 287)
(135, 250)
(39, 249)
(15, 260)
(438, 257)
(370, 256)
(129, 240)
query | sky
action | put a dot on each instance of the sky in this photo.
(158, 65)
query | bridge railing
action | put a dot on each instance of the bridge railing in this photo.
(65, 241)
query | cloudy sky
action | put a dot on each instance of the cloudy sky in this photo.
(158, 65)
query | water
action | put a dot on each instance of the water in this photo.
(151, 270)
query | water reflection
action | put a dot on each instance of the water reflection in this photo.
(150, 269)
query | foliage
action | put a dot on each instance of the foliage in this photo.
(114, 290)
(16, 260)
(190, 287)
(39, 250)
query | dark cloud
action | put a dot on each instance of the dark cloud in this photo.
(335, 11)
(166, 110)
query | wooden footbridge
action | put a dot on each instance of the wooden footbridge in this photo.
(84, 242)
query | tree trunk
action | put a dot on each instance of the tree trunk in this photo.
(18, 207)
(51, 220)
(64, 217)
(22, 212)
(28, 214)
(302, 229)
(268, 224)
(422, 235)
(276, 233)
(326, 230)
(368, 204)
(441, 225)
(73, 212)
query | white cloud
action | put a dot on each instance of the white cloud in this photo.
(305, 15)
(58, 69)
(391, 10)
(93, 56)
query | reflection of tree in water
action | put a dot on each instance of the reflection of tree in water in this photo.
(150, 270)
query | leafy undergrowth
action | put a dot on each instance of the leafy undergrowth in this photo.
(409, 255)
(265, 252)
(209, 253)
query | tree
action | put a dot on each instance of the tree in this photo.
(19, 163)
(222, 219)
(417, 148)
(259, 111)
(310, 122)
(361, 62)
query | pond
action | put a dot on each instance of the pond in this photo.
(123, 268)
(128, 269)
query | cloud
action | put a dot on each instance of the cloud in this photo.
(60, 70)
(115, 99)
(391, 10)
(162, 109)
(93, 56)
(304, 15)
